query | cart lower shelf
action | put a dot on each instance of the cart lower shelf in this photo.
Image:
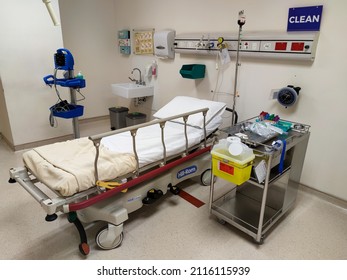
(242, 208)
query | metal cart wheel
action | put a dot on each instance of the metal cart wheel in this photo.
(104, 241)
(205, 178)
(260, 242)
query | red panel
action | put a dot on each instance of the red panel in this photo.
(226, 168)
(281, 46)
(297, 46)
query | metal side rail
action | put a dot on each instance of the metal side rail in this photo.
(133, 131)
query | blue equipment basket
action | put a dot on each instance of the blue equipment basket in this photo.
(73, 111)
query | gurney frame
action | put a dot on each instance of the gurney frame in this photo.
(98, 203)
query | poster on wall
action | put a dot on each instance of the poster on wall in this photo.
(143, 41)
(305, 18)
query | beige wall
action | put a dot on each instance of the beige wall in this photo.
(28, 42)
(5, 129)
(90, 30)
(322, 97)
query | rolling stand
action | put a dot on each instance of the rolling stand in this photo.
(63, 60)
(256, 205)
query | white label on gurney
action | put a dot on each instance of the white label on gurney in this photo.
(186, 171)
(134, 198)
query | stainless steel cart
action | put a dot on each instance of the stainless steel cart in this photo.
(254, 207)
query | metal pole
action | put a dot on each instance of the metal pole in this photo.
(75, 124)
(241, 21)
(236, 74)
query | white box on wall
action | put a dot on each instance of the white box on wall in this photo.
(164, 44)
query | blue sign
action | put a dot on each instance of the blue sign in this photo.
(305, 18)
(186, 171)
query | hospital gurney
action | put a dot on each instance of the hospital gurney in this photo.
(146, 179)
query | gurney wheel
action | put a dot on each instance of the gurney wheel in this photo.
(174, 190)
(104, 241)
(205, 178)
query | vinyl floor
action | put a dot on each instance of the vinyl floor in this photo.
(171, 228)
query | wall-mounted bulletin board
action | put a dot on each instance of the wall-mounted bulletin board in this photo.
(143, 41)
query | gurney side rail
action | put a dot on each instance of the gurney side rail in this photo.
(133, 130)
(157, 121)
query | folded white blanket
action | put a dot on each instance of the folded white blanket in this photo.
(68, 167)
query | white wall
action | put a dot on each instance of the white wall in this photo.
(90, 31)
(5, 128)
(323, 92)
(28, 42)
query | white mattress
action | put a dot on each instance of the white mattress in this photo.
(149, 145)
(68, 167)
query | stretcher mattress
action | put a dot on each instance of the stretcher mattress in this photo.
(68, 167)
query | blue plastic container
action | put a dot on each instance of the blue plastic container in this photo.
(73, 112)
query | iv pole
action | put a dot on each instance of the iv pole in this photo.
(75, 124)
(241, 21)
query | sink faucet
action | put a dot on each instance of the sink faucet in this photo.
(140, 81)
(133, 80)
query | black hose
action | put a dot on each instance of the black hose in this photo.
(235, 113)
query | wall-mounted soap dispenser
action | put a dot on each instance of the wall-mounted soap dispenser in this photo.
(164, 44)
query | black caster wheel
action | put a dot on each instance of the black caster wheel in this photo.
(175, 190)
(51, 218)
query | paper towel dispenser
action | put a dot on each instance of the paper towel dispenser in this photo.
(164, 44)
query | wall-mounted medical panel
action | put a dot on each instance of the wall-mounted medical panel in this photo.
(124, 41)
(287, 45)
